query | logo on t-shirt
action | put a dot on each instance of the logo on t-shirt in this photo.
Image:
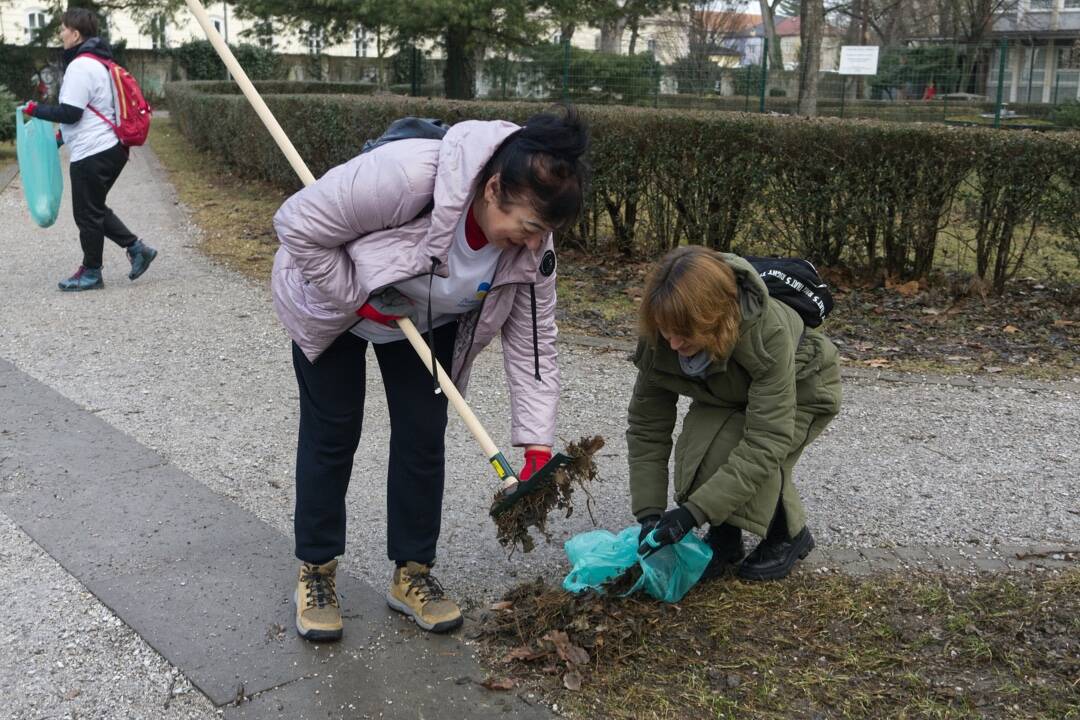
(482, 290)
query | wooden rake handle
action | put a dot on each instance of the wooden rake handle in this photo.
(491, 451)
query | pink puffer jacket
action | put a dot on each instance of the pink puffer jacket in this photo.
(356, 231)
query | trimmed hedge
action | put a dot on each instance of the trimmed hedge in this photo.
(865, 194)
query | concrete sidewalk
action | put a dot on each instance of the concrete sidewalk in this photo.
(187, 369)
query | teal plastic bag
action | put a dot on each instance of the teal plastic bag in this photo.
(668, 574)
(39, 166)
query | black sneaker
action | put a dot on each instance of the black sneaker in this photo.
(727, 546)
(774, 558)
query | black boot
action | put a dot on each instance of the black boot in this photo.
(727, 546)
(776, 555)
(141, 255)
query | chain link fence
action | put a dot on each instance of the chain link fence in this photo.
(1008, 83)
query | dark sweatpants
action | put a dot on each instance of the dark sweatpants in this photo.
(91, 179)
(331, 415)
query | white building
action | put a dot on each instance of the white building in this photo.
(18, 19)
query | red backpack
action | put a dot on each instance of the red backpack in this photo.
(133, 110)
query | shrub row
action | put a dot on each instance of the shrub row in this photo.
(871, 195)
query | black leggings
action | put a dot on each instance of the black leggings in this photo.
(91, 179)
(331, 415)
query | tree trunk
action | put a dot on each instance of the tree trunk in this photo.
(566, 32)
(459, 75)
(768, 18)
(634, 21)
(611, 32)
(812, 21)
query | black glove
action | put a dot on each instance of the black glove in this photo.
(647, 524)
(673, 526)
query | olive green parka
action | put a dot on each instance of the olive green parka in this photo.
(749, 419)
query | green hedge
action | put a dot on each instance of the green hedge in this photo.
(866, 194)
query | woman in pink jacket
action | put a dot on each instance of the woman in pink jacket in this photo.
(457, 234)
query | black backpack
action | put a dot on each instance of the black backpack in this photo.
(796, 283)
(407, 128)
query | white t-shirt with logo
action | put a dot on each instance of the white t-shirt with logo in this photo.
(87, 82)
(471, 273)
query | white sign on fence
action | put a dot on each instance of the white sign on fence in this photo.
(858, 60)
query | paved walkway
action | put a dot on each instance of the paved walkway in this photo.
(171, 400)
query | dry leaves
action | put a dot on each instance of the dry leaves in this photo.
(572, 681)
(493, 683)
(567, 651)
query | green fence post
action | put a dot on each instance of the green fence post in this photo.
(414, 71)
(764, 72)
(1003, 50)
(566, 70)
(1031, 71)
(843, 95)
(746, 87)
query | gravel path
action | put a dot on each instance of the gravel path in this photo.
(191, 361)
(66, 656)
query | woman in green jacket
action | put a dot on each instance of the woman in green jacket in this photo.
(762, 386)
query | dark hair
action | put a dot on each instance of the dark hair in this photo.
(542, 164)
(82, 20)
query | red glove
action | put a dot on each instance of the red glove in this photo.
(28, 108)
(369, 313)
(59, 139)
(534, 460)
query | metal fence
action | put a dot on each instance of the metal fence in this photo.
(1008, 83)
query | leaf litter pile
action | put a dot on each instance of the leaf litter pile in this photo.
(814, 645)
(532, 510)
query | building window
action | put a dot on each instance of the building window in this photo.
(1072, 4)
(1041, 4)
(651, 46)
(35, 21)
(158, 39)
(219, 25)
(264, 33)
(315, 40)
(360, 42)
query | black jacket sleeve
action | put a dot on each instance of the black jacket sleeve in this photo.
(64, 113)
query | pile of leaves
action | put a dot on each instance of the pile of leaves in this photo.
(532, 510)
(814, 645)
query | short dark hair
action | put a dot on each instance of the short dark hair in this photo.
(80, 19)
(543, 165)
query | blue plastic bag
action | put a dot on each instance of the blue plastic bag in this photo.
(598, 556)
(39, 166)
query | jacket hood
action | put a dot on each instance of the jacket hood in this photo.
(94, 46)
(464, 152)
(752, 290)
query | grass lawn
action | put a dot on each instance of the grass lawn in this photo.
(812, 646)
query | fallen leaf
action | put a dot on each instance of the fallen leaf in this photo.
(524, 652)
(931, 311)
(1011, 329)
(493, 683)
(877, 363)
(502, 605)
(957, 358)
(1065, 323)
(992, 368)
(567, 651)
(572, 680)
(908, 289)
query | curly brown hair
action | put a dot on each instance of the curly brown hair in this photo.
(692, 293)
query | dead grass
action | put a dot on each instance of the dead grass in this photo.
(1005, 646)
(7, 153)
(234, 213)
(532, 510)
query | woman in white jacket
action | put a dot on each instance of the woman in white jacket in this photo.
(97, 156)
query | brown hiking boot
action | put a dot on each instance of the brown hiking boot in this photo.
(318, 614)
(415, 592)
